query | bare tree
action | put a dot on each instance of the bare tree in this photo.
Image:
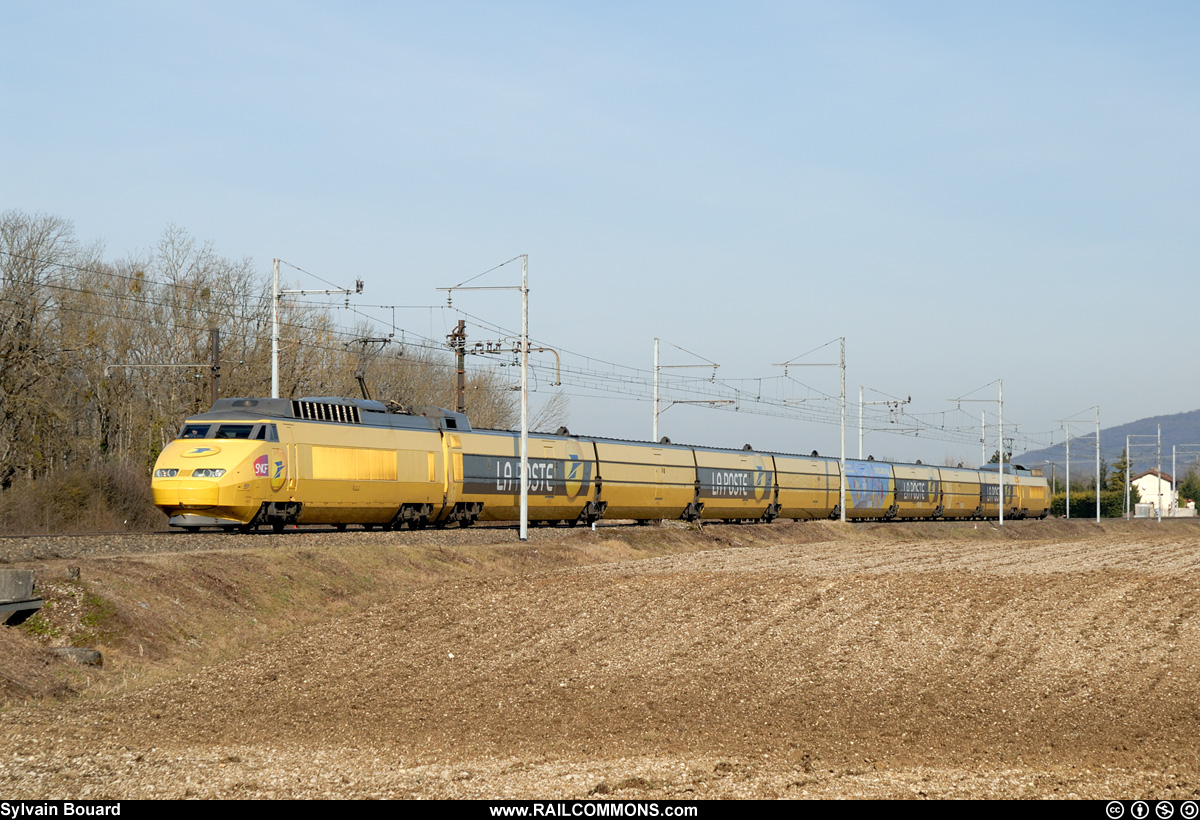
(552, 414)
(33, 250)
(100, 362)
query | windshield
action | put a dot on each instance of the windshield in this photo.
(234, 431)
(260, 431)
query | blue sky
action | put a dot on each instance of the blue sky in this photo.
(965, 191)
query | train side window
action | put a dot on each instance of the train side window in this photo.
(195, 431)
(272, 433)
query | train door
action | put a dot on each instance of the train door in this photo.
(660, 473)
(453, 458)
(549, 488)
(291, 460)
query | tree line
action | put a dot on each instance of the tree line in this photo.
(100, 361)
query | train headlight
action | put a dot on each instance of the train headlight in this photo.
(171, 473)
(207, 473)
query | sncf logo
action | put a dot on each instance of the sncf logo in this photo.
(276, 468)
(262, 468)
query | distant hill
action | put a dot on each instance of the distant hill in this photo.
(1178, 429)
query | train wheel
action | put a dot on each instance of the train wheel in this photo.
(340, 527)
(278, 526)
(368, 527)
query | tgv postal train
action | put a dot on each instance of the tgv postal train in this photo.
(272, 462)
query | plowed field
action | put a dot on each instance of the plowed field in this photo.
(1049, 659)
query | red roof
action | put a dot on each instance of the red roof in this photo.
(1163, 476)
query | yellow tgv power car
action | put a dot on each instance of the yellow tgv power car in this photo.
(272, 462)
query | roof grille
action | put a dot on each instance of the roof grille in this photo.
(322, 411)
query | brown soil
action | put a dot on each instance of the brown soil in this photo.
(1052, 659)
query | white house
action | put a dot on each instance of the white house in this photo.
(1149, 484)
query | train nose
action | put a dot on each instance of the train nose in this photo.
(188, 477)
(190, 493)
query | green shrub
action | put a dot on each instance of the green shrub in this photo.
(1083, 504)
